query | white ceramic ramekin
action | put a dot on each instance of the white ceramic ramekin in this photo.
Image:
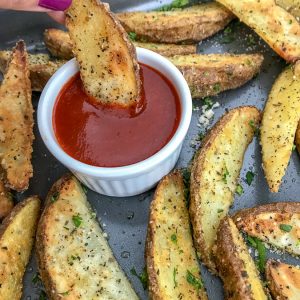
(119, 181)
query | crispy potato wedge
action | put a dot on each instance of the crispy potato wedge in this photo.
(283, 280)
(16, 121)
(214, 175)
(41, 68)
(277, 224)
(292, 6)
(208, 75)
(6, 201)
(275, 25)
(17, 233)
(107, 59)
(297, 137)
(59, 44)
(170, 255)
(279, 124)
(235, 265)
(74, 257)
(188, 25)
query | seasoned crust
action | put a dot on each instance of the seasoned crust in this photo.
(211, 195)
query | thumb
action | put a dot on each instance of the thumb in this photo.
(58, 16)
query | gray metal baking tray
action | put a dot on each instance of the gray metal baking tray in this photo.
(125, 219)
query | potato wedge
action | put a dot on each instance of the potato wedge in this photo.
(59, 44)
(235, 265)
(74, 257)
(297, 138)
(208, 75)
(16, 121)
(292, 6)
(107, 59)
(41, 68)
(6, 201)
(188, 25)
(283, 280)
(214, 175)
(279, 124)
(275, 25)
(170, 256)
(17, 233)
(277, 224)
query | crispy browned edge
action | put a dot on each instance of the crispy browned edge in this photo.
(198, 161)
(279, 207)
(153, 287)
(274, 289)
(40, 238)
(6, 201)
(128, 43)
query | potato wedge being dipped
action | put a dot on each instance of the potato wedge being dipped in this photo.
(279, 124)
(17, 233)
(235, 265)
(171, 259)
(283, 280)
(74, 257)
(107, 59)
(215, 172)
(274, 24)
(275, 223)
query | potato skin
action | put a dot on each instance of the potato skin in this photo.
(169, 215)
(188, 25)
(217, 205)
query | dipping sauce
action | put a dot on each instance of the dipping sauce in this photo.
(114, 137)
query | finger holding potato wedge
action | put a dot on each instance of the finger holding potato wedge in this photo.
(17, 234)
(107, 59)
(214, 177)
(171, 259)
(279, 124)
(235, 265)
(6, 201)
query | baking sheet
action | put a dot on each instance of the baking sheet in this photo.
(125, 219)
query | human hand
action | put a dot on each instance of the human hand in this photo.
(54, 8)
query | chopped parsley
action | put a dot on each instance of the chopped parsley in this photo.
(228, 36)
(54, 197)
(143, 277)
(261, 249)
(36, 278)
(294, 147)
(186, 174)
(286, 227)
(193, 280)
(77, 220)
(220, 210)
(174, 5)
(175, 272)
(64, 293)
(132, 36)
(217, 87)
(249, 177)
(225, 175)
(208, 102)
(239, 190)
(298, 243)
(201, 136)
(42, 296)
(254, 127)
(251, 40)
(174, 238)
(84, 188)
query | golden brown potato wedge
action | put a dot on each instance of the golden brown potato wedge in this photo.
(16, 121)
(235, 265)
(6, 201)
(275, 25)
(17, 233)
(107, 59)
(59, 44)
(277, 224)
(41, 68)
(189, 25)
(283, 280)
(170, 255)
(279, 124)
(208, 75)
(214, 176)
(73, 254)
(292, 6)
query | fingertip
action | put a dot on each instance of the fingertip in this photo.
(58, 16)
